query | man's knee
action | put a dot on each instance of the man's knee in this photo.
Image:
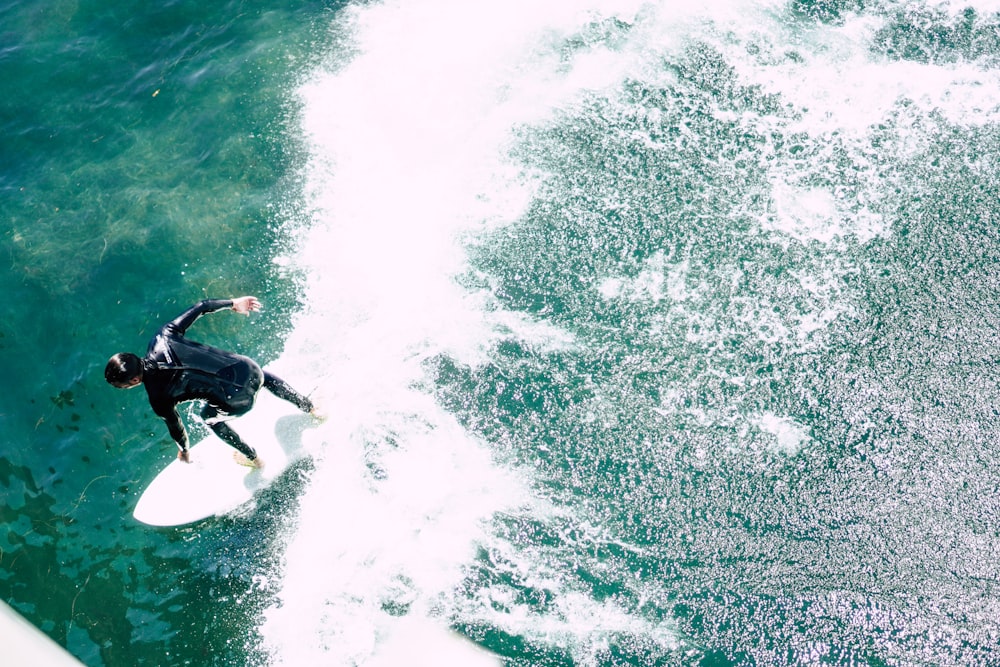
(213, 415)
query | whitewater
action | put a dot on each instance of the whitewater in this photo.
(423, 129)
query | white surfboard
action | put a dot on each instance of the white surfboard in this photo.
(213, 483)
(24, 644)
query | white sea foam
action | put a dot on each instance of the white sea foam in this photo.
(407, 141)
(407, 137)
(788, 435)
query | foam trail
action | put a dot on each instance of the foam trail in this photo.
(405, 139)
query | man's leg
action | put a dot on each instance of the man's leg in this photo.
(282, 390)
(214, 419)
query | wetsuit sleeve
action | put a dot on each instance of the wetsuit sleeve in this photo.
(181, 323)
(175, 426)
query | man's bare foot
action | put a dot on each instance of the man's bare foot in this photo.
(241, 458)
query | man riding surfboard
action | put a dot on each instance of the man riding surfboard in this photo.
(176, 369)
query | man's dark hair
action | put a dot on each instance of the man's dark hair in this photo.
(123, 369)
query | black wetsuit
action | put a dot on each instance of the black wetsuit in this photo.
(176, 369)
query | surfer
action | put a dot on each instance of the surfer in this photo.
(176, 370)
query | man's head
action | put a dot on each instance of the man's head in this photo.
(124, 370)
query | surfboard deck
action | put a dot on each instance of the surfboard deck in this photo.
(213, 484)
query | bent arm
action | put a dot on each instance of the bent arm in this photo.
(175, 426)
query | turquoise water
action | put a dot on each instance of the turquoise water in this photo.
(649, 335)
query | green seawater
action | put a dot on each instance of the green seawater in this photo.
(145, 164)
(758, 426)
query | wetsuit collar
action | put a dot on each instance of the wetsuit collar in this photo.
(147, 366)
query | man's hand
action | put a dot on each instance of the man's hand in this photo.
(246, 304)
(184, 455)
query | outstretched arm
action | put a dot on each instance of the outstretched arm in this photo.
(243, 304)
